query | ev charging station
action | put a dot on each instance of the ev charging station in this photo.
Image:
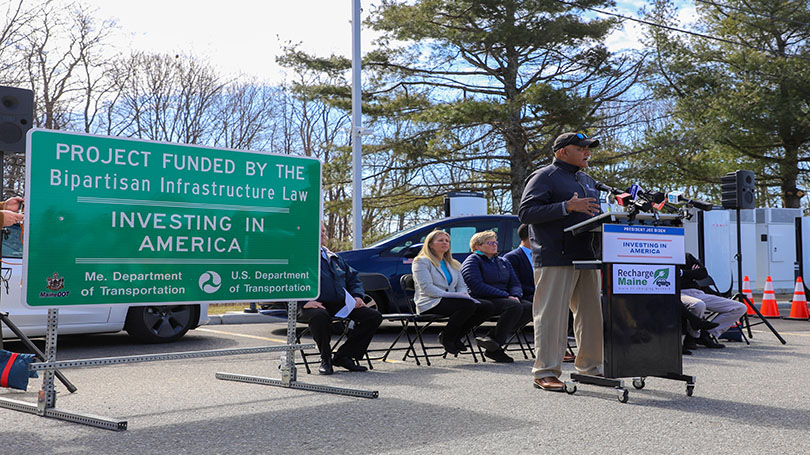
(712, 237)
(776, 247)
(748, 245)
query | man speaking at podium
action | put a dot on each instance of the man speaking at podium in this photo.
(555, 197)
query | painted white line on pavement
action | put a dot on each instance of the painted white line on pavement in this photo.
(783, 333)
(277, 340)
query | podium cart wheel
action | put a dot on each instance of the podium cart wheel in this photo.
(623, 394)
(690, 388)
(638, 383)
(570, 387)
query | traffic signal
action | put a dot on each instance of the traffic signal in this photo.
(16, 117)
(738, 190)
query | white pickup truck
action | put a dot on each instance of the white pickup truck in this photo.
(149, 324)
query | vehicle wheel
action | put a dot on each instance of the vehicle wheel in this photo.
(623, 394)
(638, 383)
(161, 324)
(690, 389)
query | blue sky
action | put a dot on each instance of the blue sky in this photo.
(239, 37)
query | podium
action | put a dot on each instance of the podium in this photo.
(641, 305)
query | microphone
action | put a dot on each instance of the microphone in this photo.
(608, 189)
(646, 200)
(633, 190)
(677, 197)
(657, 198)
(643, 204)
(624, 199)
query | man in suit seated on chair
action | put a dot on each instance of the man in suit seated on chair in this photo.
(341, 291)
(521, 260)
(697, 301)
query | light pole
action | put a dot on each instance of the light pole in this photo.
(357, 124)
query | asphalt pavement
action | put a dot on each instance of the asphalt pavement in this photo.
(748, 399)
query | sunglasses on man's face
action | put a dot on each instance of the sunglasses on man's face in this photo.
(492, 243)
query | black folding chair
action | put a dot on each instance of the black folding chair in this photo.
(343, 323)
(524, 345)
(420, 323)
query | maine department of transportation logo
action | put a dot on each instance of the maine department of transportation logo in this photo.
(210, 282)
(660, 277)
(55, 285)
(55, 282)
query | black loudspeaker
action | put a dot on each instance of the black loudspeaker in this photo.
(16, 117)
(738, 190)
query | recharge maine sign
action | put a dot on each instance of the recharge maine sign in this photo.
(112, 220)
(643, 279)
(642, 244)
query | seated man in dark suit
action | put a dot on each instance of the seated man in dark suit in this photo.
(521, 260)
(340, 287)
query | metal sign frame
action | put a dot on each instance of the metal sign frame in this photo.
(45, 406)
(46, 402)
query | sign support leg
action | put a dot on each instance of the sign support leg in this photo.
(288, 371)
(46, 400)
(47, 394)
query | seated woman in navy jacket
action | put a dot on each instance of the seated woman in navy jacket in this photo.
(492, 278)
(440, 290)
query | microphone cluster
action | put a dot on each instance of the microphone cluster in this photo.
(636, 199)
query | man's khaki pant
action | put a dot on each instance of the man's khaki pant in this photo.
(557, 289)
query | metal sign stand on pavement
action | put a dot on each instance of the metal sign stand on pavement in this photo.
(288, 371)
(290, 215)
(46, 400)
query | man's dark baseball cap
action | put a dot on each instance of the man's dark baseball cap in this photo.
(578, 139)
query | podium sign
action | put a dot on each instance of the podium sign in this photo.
(640, 244)
(644, 279)
(112, 220)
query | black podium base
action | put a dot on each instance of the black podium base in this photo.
(618, 384)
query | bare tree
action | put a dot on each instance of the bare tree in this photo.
(165, 98)
(245, 112)
(16, 20)
(61, 60)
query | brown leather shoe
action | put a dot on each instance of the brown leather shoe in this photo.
(549, 383)
(567, 358)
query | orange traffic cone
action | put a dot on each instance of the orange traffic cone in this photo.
(746, 290)
(799, 308)
(769, 309)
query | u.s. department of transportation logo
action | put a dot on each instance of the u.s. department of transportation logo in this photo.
(55, 282)
(210, 282)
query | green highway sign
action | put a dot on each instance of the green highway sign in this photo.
(113, 220)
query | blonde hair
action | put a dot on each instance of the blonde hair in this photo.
(479, 238)
(436, 260)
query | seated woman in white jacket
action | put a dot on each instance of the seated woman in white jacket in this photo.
(441, 290)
